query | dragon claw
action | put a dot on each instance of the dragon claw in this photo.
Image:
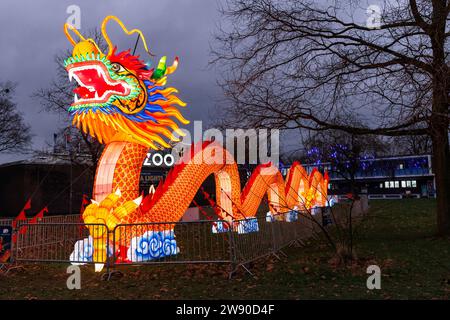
(110, 213)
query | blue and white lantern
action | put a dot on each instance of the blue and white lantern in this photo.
(291, 216)
(83, 251)
(332, 200)
(247, 226)
(152, 245)
(270, 217)
(219, 227)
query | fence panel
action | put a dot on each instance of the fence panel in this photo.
(254, 244)
(6, 222)
(70, 218)
(55, 242)
(304, 227)
(285, 234)
(179, 242)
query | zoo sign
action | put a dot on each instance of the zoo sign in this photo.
(158, 159)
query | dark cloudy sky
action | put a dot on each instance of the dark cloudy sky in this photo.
(31, 34)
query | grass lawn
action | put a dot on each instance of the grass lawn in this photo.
(397, 235)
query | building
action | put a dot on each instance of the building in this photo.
(50, 181)
(56, 182)
(386, 177)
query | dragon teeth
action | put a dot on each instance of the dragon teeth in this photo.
(75, 98)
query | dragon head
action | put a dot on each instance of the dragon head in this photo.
(118, 97)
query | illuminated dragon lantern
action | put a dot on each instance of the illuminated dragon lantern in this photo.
(125, 105)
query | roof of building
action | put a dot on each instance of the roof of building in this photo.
(49, 159)
(379, 158)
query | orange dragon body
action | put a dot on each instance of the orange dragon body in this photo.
(124, 104)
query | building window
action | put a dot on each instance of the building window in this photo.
(391, 184)
(414, 183)
(400, 166)
(381, 185)
(386, 184)
(397, 184)
(408, 184)
(403, 184)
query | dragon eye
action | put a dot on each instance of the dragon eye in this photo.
(117, 67)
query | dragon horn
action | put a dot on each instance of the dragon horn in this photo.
(120, 23)
(68, 27)
(160, 69)
(173, 67)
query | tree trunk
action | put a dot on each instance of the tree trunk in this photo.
(441, 154)
(441, 162)
(439, 125)
(439, 121)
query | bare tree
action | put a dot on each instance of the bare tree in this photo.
(58, 97)
(409, 145)
(69, 145)
(346, 154)
(14, 133)
(309, 64)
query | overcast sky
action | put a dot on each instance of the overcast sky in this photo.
(31, 33)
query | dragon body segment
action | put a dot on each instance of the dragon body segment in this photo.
(125, 104)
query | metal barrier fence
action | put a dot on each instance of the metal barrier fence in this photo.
(178, 242)
(6, 222)
(236, 243)
(70, 218)
(273, 235)
(59, 242)
(249, 246)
